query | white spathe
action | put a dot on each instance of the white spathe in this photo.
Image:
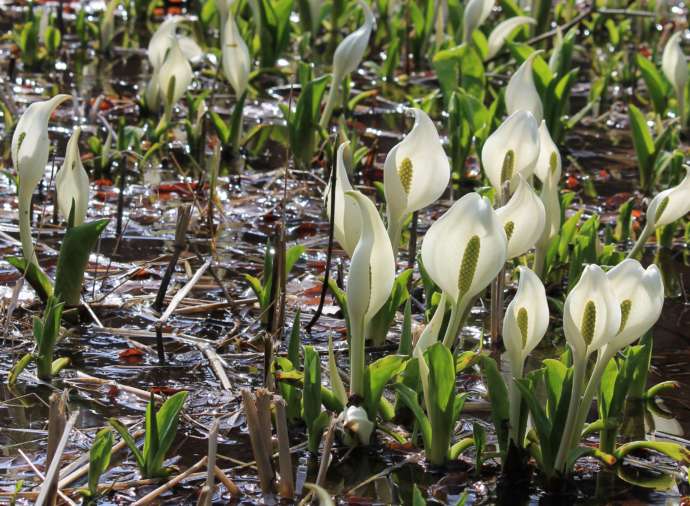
(174, 66)
(415, 174)
(521, 92)
(591, 314)
(675, 67)
(475, 14)
(640, 294)
(516, 137)
(498, 35)
(526, 320)
(235, 57)
(669, 205)
(470, 221)
(369, 283)
(347, 222)
(72, 182)
(523, 218)
(356, 420)
(29, 151)
(548, 170)
(349, 53)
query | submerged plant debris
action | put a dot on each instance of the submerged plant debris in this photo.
(239, 152)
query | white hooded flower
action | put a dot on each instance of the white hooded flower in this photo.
(521, 92)
(669, 205)
(548, 170)
(235, 54)
(591, 314)
(526, 320)
(640, 295)
(675, 68)
(347, 222)
(476, 13)
(349, 53)
(175, 74)
(159, 45)
(523, 219)
(369, 282)
(503, 30)
(29, 151)
(513, 148)
(524, 325)
(72, 182)
(466, 248)
(415, 174)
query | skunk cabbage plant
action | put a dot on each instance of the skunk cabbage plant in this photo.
(369, 283)
(665, 208)
(235, 57)
(524, 325)
(523, 219)
(462, 252)
(30, 156)
(72, 183)
(513, 148)
(346, 223)
(548, 171)
(675, 68)
(521, 92)
(500, 34)
(415, 174)
(347, 57)
(475, 14)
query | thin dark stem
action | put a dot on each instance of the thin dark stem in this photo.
(121, 196)
(183, 218)
(329, 252)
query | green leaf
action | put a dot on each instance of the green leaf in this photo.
(166, 421)
(76, 247)
(129, 441)
(17, 368)
(294, 340)
(657, 481)
(405, 344)
(222, 129)
(311, 397)
(292, 255)
(498, 397)
(673, 450)
(99, 458)
(409, 398)
(336, 380)
(642, 140)
(59, 364)
(417, 497)
(656, 85)
(38, 279)
(384, 317)
(377, 374)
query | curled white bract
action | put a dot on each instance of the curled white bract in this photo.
(72, 182)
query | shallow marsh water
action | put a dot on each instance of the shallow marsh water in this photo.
(125, 274)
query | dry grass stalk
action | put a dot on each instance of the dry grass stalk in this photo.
(286, 486)
(260, 447)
